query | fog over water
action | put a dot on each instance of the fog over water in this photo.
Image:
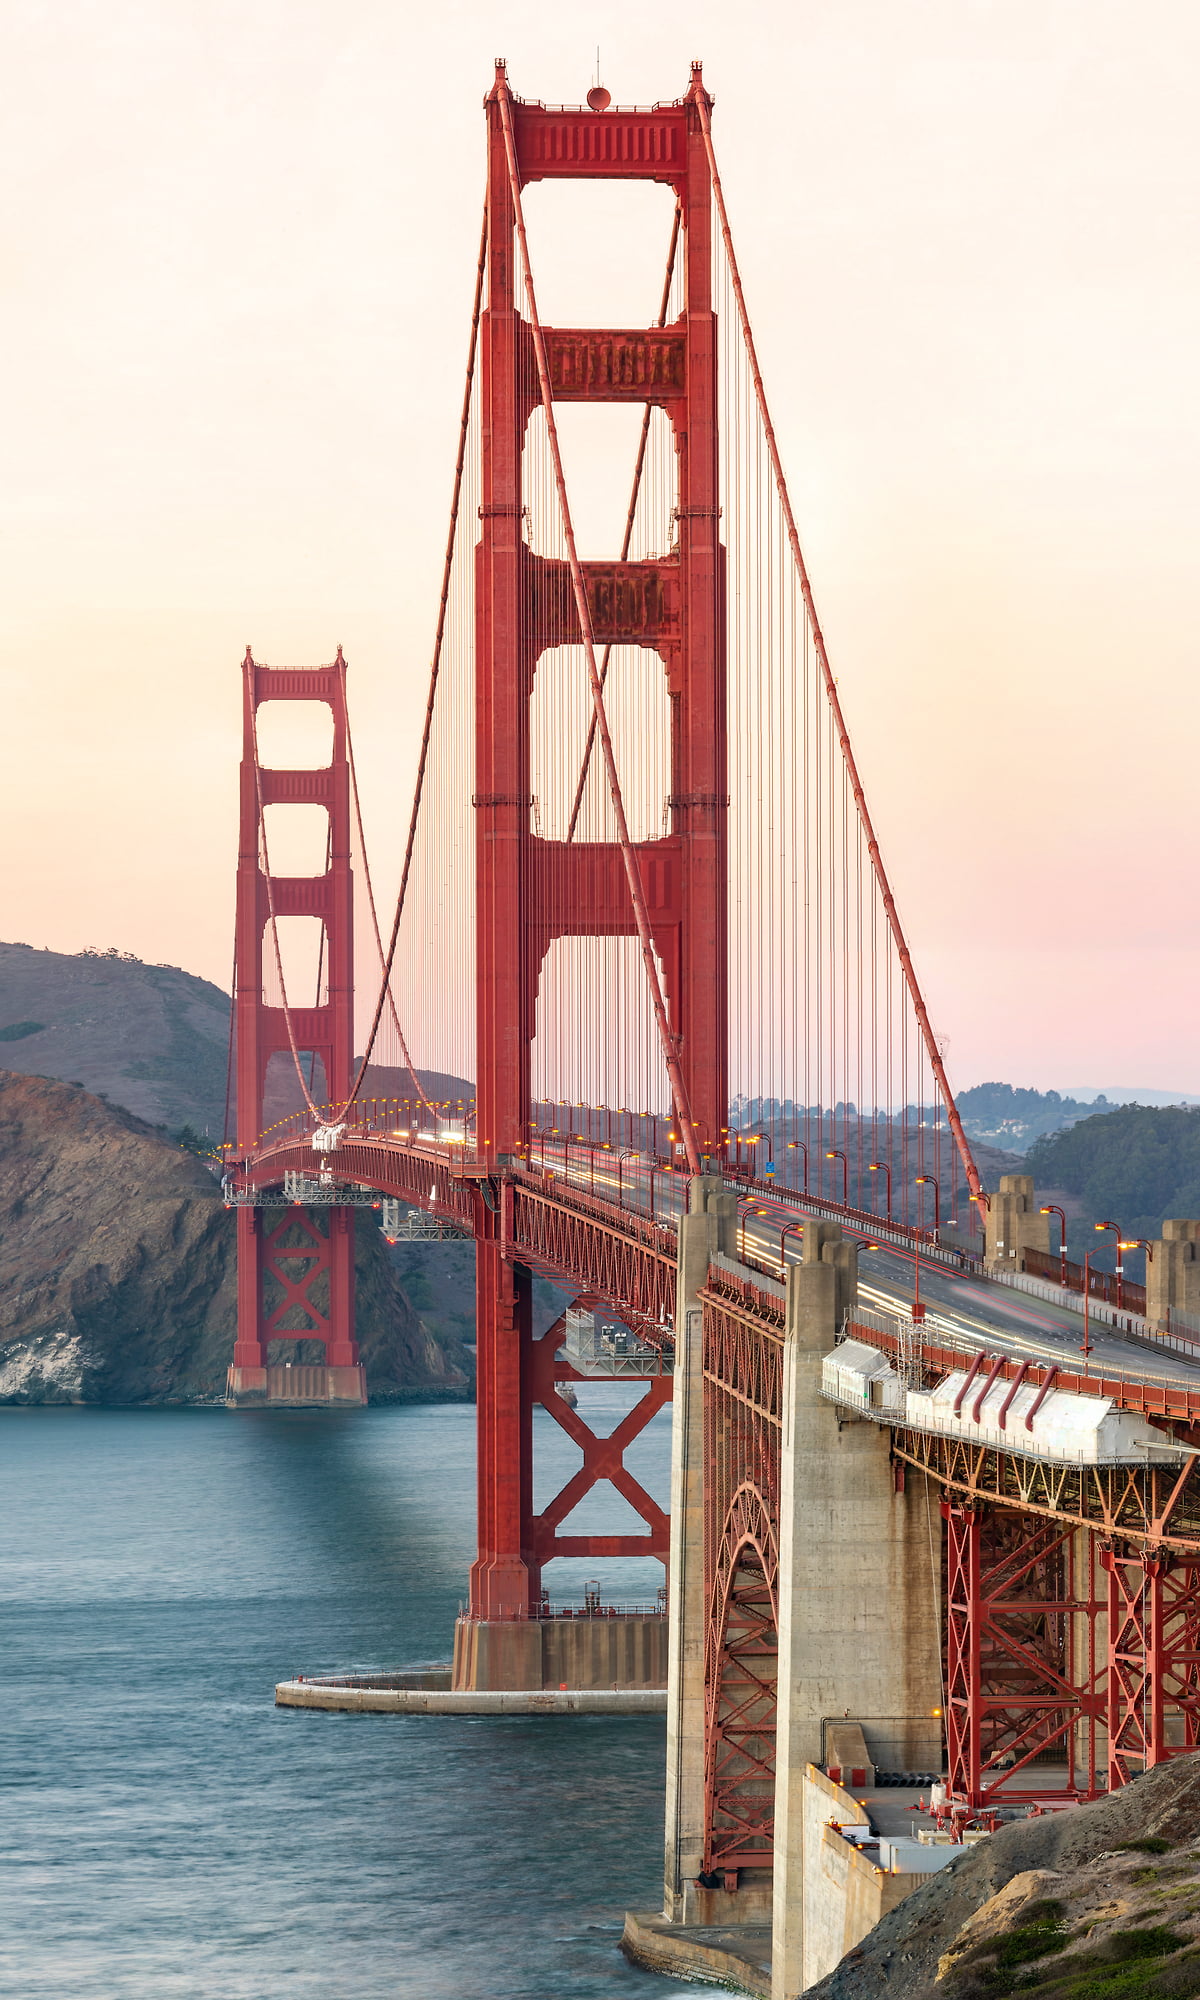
(167, 1834)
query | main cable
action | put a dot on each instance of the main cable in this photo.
(427, 730)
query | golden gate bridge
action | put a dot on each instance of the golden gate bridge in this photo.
(641, 883)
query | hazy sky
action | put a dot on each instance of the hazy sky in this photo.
(237, 263)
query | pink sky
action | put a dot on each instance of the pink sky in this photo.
(237, 267)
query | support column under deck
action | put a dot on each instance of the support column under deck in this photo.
(859, 1589)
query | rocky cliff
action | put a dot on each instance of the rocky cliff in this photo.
(1094, 1903)
(117, 1278)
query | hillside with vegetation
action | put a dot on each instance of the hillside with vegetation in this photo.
(1009, 1116)
(1135, 1165)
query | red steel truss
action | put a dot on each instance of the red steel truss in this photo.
(1023, 1680)
(743, 1402)
(313, 1267)
(1153, 1706)
(603, 1458)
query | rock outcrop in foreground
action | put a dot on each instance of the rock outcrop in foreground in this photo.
(117, 1266)
(1096, 1903)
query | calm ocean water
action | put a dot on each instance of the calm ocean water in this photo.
(167, 1834)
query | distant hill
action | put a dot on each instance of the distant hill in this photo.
(149, 1037)
(1135, 1165)
(1008, 1116)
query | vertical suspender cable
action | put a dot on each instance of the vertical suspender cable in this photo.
(889, 901)
(669, 1041)
(439, 635)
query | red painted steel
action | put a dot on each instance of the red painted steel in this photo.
(319, 1288)
(603, 1458)
(743, 1405)
(1153, 1709)
(519, 913)
(1023, 1680)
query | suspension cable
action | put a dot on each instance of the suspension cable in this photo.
(860, 800)
(669, 1041)
(384, 967)
(634, 496)
(388, 959)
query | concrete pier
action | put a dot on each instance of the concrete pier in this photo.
(859, 1587)
(857, 1603)
(361, 1697)
(625, 1650)
(299, 1386)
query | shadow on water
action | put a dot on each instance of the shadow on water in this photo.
(165, 1831)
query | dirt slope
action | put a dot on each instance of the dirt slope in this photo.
(1091, 1904)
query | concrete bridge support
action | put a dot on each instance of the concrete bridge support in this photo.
(1014, 1224)
(1173, 1273)
(858, 1596)
(859, 1586)
(709, 1227)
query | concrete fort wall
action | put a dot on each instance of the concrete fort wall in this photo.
(845, 1892)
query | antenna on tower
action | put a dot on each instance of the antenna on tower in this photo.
(598, 98)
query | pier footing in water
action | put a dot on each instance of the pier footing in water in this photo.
(737, 1956)
(301, 1386)
(623, 1651)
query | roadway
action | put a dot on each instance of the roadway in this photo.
(977, 1311)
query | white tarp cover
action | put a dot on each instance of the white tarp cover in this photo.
(1068, 1428)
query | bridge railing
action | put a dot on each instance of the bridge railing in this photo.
(1103, 1285)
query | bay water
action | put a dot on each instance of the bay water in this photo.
(166, 1833)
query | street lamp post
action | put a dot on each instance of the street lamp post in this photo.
(834, 1154)
(795, 1145)
(931, 1180)
(789, 1229)
(1086, 1349)
(1140, 1243)
(1116, 1229)
(1050, 1209)
(884, 1167)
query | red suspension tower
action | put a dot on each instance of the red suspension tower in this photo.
(533, 891)
(295, 1265)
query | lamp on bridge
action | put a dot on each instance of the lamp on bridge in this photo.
(835, 1155)
(1051, 1209)
(1116, 1229)
(1086, 1349)
(884, 1167)
(931, 1180)
(798, 1144)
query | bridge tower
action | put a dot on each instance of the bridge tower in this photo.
(533, 891)
(295, 1267)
